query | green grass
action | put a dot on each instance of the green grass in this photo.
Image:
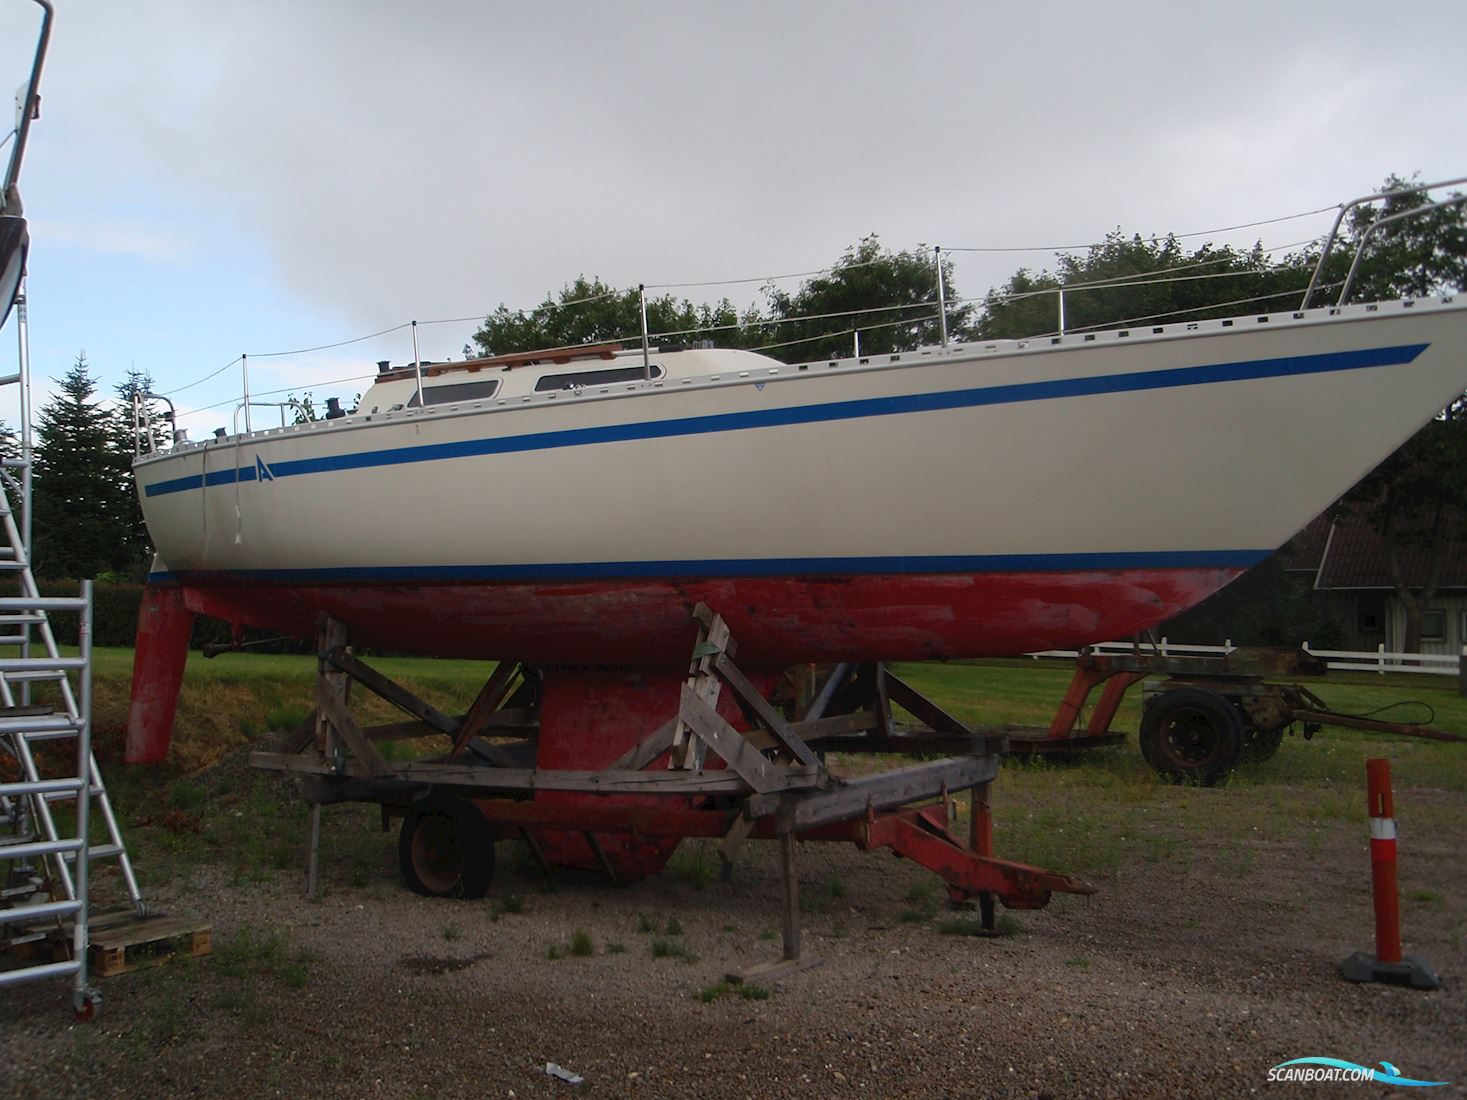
(673, 949)
(723, 989)
(253, 952)
(1088, 819)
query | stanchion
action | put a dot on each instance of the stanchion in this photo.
(1386, 965)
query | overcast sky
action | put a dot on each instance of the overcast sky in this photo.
(213, 177)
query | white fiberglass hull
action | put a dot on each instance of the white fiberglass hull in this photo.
(1144, 468)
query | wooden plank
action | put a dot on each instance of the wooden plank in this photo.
(790, 914)
(727, 742)
(490, 696)
(713, 639)
(922, 708)
(519, 720)
(340, 719)
(600, 853)
(395, 694)
(774, 971)
(842, 724)
(916, 744)
(330, 635)
(673, 781)
(508, 360)
(647, 750)
(811, 809)
(773, 721)
(734, 839)
(313, 848)
(529, 779)
(304, 734)
(883, 701)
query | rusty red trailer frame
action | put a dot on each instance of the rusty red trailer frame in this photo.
(1202, 714)
(608, 769)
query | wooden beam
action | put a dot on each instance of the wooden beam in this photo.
(303, 735)
(713, 639)
(734, 839)
(646, 750)
(883, 701)
(727, 742)
(340, 719)
(480, 711)
(919, 742)
(773, 721)
(922, 708)
(330, 634)
(874, 792)
(395, 694)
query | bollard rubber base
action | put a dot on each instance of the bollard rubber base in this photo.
(1411, 971)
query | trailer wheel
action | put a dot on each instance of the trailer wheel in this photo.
(1191, 735)
(1260, 745)
(446, 848)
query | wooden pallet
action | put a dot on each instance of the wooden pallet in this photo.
(128, 942)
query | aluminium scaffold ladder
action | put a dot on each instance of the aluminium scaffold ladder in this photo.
(45, 856)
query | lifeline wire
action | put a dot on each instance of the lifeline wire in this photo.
(1174, 236)
(546, 307)
(201, 381)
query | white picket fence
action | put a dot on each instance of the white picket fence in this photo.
(1381, 660)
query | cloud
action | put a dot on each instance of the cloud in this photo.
(395, 161)
(142, 240)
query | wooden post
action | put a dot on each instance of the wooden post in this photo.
(313, 848)
(1462, 673)
(329, 635)
(980, 839)
(793, 959)
(791, 898)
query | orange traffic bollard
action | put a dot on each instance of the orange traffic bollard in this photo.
(1386, 965)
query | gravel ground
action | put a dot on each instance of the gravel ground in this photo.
(1187, 976)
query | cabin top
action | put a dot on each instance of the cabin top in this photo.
(598, 368)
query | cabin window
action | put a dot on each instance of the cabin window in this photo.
(572, 379)
(457, 391)
(1433, 625)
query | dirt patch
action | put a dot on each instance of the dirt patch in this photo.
(437, 964)
(1202, 962)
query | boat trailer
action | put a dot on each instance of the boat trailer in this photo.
(608, 769)
(1201, 715)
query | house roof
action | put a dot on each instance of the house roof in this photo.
(1355, 557)
(1305, 550)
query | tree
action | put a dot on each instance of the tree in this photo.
(83, 514)
(890, 298)
(1135, 279)
(136, 434)
(1412, 500)
(592, 312)
(1421, 255)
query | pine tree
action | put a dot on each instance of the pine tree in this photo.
(81, 527)
(153, 434)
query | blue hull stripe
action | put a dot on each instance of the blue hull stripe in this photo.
(813, 414)
(734, 567)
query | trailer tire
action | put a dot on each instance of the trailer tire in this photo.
(1189, 735)
(446, 848)
(1260, 745)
